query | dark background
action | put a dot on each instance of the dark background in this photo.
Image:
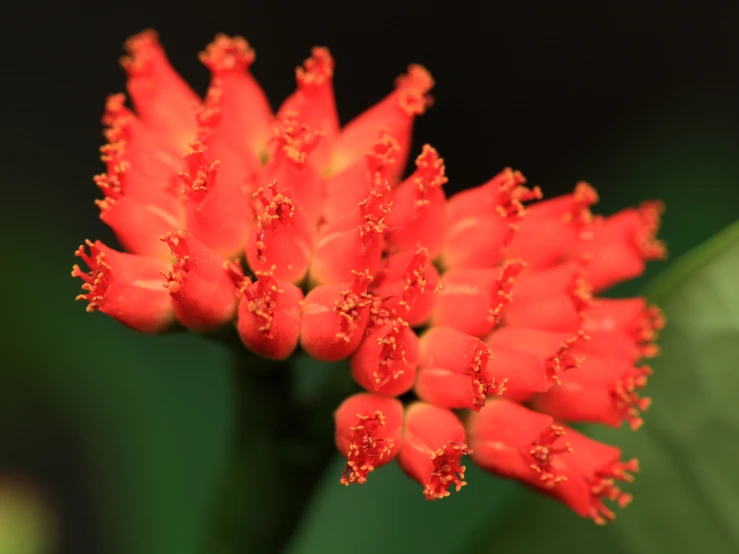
(640, 101)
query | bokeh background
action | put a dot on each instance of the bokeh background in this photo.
(115, 442)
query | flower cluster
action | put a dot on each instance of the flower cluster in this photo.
(305, 234)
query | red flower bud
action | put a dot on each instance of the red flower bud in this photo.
(352, 243)
(474, 301)
(419, 206)
(163, 100)
(513, 441)
(334, 319)
(602, 390)
(395, 113)
(620, 245)
(386, 360)
(349, 187)
(269, 316)
(314, 102)
(552, 299)
(138, 158)
(433, 445)
(217, 215)
(126, 287)
(482, 220)
(282, 236)
(368, 434)
(453, 370)
(200, 284)
(532, 360)
(289, 164)
(136, 225)
(245, 112)
(412, 279)
(550, 228)
(625, 328)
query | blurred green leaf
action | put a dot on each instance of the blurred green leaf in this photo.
(390, 514)
(152, 413)
(687, 494)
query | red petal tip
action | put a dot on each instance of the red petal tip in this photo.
(141, 49)
(96, 280)
(430, 173)
(201, 175)
(543, 452)
(626, 399)
(277, 211)
(603, 486)
(293, 139)
(353, 301)
(383, 153)
(646, 239)
(317, 69)
(501, 296)
(447, 470)
(413, 88)
(365, 449)
(227, 54)
(392, 356)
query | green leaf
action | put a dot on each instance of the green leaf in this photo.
(148, 417)
(687, 494)
(390, 514)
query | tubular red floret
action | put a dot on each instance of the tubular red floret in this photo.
(453, 370)
(601, 390)
(386, 360)
(395, 113)
(619, 246)
(269, 316)
(126, 287)
(161, 98)
(282, 235)
(334, 318)
(354, 242)
(515, 442)
(346, 189)
(533, 360)
(433, 446)
(200, 283)
(368, 434)
(290, 163)
(412, 281)
(594, 470)
(418, 213)
(244, 109)
(552, 300)
(481, 221)
(475, 301)
(626, 328)
(545, 236)
(314, 102)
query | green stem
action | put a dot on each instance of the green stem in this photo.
(280, 451)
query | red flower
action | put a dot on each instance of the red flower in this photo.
(201, 283)
(515, 442)
(368, 433)
(433, 446)
(269, 316)
(126, 287)
(486, 293)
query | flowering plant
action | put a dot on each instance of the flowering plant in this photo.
(472, 323)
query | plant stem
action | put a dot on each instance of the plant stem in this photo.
(280, 450)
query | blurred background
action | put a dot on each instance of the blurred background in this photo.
(115, 442)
